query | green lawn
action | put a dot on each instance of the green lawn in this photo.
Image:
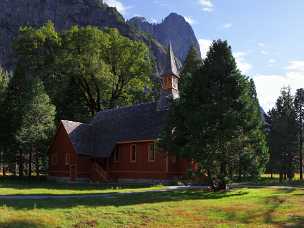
(245, 207)
(24, 187)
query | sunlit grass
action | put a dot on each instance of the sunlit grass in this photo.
(244, 207)
(277, 176)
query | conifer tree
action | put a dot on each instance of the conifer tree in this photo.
(37, 125)
(11, 121)
(254, 155)
(283, 135)
(299, 106)
(192, 63)
(4, 79)
(217, 112)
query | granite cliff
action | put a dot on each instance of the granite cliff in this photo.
(174, 29)
(65, 13)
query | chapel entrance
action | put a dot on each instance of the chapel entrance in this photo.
(73, 172)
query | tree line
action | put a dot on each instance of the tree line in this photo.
(285, 135)
(65, 75)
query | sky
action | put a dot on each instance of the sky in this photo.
(266, 36)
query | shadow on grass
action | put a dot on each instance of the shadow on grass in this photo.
(21, 224)
(295, 221)
(266, 214)
(26, 183)
(118, 199)
(267, 181)
(275, 202)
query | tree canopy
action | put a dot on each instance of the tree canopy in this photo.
(104, 68)
(217, 120)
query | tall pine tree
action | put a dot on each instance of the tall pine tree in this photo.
(192, 63)
(11, 120)
(37, 125)
(211, 115)
(299, 106)
(283, 135)
(4, 80)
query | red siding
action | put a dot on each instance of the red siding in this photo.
(78, 166)
(124, 168)
(161, 168)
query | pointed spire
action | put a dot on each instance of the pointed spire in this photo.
(171, 67)
(170, 77)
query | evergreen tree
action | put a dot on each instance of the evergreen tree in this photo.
(37, 125)
(15, 98)
(72, 106)
(4, 80)
(254, 155)
(299, 106)
(192, 63)
(214, 115)
(283, 135)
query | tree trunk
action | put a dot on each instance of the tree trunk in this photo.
(37, 164)
(21, 163)
(2, 162)
(240, 167)
(300, 151)
(30, 163)
(211, 183)
(281, 176)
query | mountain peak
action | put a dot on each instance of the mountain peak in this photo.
(175, 17)
(138, 19)
(175, 29)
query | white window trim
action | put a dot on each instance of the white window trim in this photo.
(131, 151)
(154, 153)
(116, 155)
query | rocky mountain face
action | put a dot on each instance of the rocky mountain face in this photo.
(174, 29)
(65, 13)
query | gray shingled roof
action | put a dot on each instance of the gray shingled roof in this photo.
(80, 136)
(171, 65)
(138, 122)
(98, 139)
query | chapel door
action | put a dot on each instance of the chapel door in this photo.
(73, 172)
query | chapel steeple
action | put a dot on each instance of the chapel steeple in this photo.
(169, 81)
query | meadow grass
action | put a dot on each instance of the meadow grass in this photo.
(9, 186)
(241, 207)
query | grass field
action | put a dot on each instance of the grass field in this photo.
(25, 187)
(244, 207)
